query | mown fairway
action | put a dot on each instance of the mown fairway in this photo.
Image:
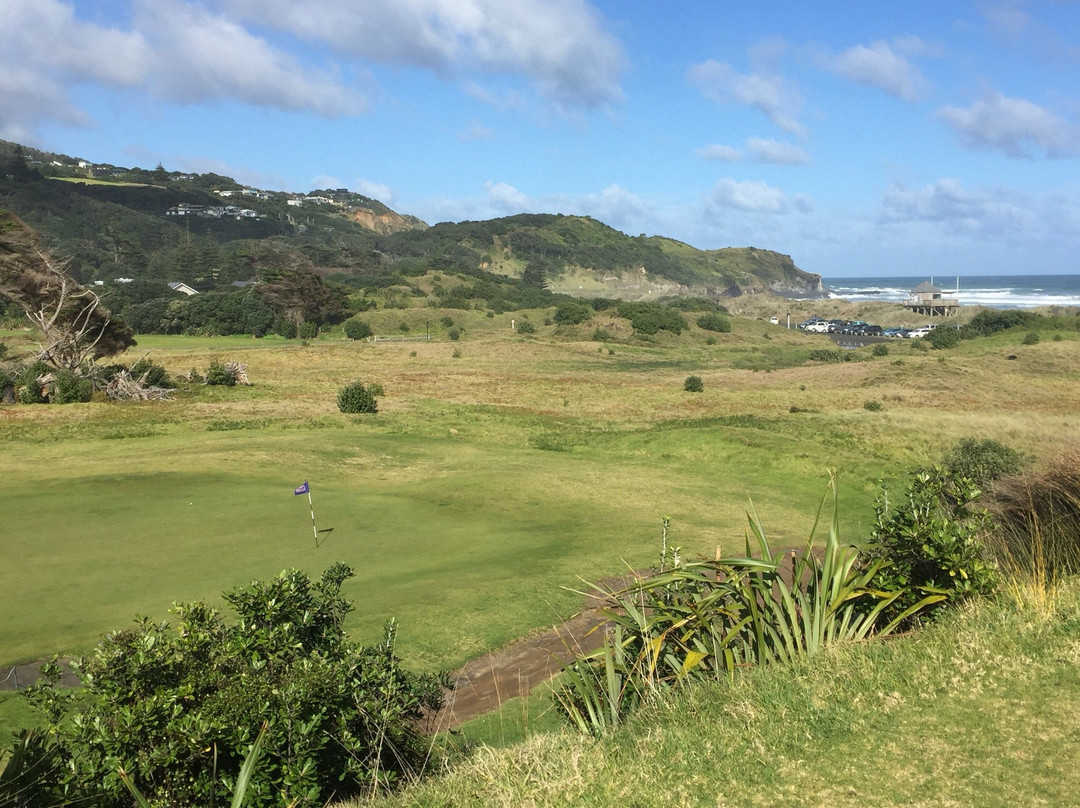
(487, 482)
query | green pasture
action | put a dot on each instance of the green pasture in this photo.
(498, 472)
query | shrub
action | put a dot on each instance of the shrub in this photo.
(1031, 338)
(218, 374)
(525, 327)
(872, 405)
(982, 461)
(28, 390)
(714, 321)
(694, 384)
(403, 327)
(447, 321)
(358, 397)
(920, 345)
(928, 540)
(286, 329)
(992, 321)
(650, 318)
(454, 334)
(602, 335)
(832, 355)
(942, 338)
(572, 313)
(307, 330)
(156, 375)
(70, 389)
(177, 708)
(357, 329)
(880, 349)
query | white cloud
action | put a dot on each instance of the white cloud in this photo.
(507, 199)
(765, 91)
(199, 55)
(562, 46)
(948, 204)
(758, 150)
(776, 152)
(1015, 126)
(879, 65)
(720, 153)
(374, 190)
(751, 196)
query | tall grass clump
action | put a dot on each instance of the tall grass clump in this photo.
(1037, 515)
(703, 619)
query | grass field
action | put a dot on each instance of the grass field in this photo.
(498, 470)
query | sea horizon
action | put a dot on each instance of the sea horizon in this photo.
(992, 291)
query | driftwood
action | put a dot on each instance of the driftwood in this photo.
(122, 387)
(238, 371)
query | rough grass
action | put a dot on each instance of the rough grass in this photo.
(978, 710)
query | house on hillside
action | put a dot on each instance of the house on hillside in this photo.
(928, 300)
(180, 286)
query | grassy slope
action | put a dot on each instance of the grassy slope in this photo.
(486, 483)
(980, 710)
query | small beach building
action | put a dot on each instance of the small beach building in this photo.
(928, 300)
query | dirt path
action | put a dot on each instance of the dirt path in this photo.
(488, 681)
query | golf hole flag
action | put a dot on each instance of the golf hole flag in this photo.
(303, 489)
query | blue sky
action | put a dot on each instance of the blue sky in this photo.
(861, 138)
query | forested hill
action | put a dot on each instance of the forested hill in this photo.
(207, 230)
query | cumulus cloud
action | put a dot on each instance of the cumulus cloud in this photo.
(750, 196)
(879, 65)
(766, 91)
(562, 46)
(948, 204)
(374, 190)
(275, 52)
(757, 150)
(1014, 126)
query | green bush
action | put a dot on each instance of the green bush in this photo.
(694, 384)
(928, 539)
(714, 321)
(286, 329)
(218, 374)
(358, 397)
(156, 375)
(525, 327)
(447, 321)
(832, 355)
(873, 405)
(70, 389)
(992, 321)
(1031, 338)
(454, 334)
(651, 318)
(177, 708)
(357, 329)
(602, 335)
(982, 461)
(307, 330)
(941, 338)
(572, 313)
(880, 349)
(28, 390)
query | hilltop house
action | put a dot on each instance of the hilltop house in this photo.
(180, 286)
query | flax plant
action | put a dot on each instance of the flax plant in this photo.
(706, 618)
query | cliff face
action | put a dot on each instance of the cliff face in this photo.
(385, 223)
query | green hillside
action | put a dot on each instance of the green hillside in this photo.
(207, 231)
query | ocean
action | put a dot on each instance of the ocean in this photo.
(993, 291)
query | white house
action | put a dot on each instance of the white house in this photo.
(178, 286)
